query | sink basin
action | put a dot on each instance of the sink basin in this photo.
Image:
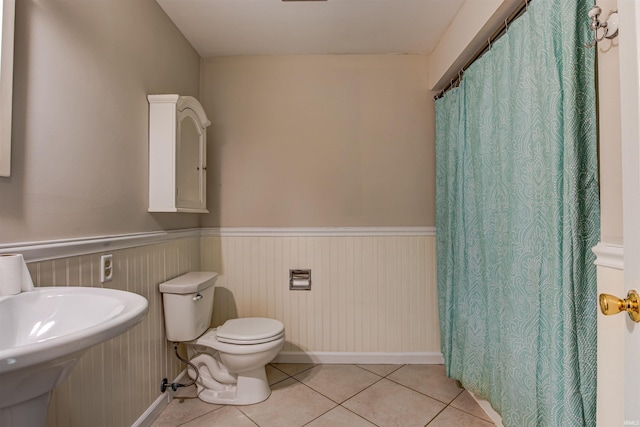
(43, 333)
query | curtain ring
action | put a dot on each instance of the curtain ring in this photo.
(506, 25)
(489, 42)
(526, 4)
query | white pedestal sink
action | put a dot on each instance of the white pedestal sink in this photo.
(44, 332)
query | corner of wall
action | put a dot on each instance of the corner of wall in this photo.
(472, 26)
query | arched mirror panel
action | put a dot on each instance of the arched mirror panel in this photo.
(177, 154)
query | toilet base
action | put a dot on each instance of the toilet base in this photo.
(251, 387)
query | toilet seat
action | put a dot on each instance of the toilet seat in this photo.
(250, 330)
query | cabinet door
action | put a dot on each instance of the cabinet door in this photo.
(190, 158)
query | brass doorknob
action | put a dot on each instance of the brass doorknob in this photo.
(610, 304)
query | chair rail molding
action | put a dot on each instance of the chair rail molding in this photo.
(317, 231)
(64, 248)
(609, 255)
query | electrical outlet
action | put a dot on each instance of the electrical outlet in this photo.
(106, 268)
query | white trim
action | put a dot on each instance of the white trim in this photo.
(608, 255)
(418, 358)
(488, 409)
(7, 32)
(55, 249)
(158, 405)
(64, 248)
(629, 54)
(316, 231)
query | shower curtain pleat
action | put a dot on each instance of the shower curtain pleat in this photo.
(517, 215)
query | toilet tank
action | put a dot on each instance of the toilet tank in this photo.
(188, 304)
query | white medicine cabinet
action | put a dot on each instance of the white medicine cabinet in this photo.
(177, 154)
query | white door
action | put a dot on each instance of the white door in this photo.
(630, 121)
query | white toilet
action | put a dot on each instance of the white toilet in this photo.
(230, 359)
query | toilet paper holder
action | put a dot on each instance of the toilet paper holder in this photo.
(300, 279)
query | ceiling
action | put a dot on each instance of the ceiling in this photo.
(275, 27)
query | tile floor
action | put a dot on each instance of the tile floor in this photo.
(340, 395)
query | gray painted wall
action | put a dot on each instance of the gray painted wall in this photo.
(80, 117)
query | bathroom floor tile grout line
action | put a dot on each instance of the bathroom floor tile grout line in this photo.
(336, 405)
(369, 386)
(340, 404)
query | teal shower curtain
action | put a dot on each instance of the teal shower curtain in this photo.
(517, 216)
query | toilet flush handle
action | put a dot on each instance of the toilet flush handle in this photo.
(197, 297)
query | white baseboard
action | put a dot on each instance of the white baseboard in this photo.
(158, 405)
(422, 358)
(488, 409)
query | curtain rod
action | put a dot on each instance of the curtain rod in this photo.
(502, 29)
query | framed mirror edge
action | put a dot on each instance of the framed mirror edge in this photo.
(6, 84)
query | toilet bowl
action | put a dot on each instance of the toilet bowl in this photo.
(230, 359)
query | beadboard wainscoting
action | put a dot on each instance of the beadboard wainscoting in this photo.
(373, 297)
(373, 300)
(114, 383)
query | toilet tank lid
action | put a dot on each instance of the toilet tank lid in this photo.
(189, 283)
